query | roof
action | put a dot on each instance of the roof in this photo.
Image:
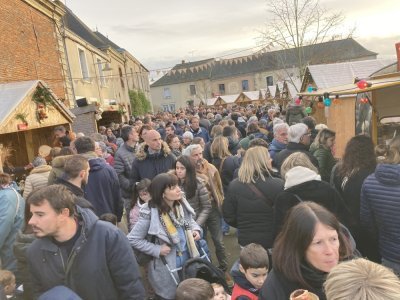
(272, 90)
(332, 51)
(108, 42)
(252, 95)
(211, 101)
(328, 75)
(229, 98)
(12, 94)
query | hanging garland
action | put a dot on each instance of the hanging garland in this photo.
(43, 98)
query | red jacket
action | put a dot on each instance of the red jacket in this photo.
(239, 291)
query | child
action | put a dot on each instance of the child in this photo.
(7, 280)
(194, 289)
(219, 292)
(140, 196)
(250, 272)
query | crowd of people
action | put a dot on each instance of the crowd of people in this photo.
(125, 212)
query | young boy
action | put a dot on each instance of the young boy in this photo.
(250, 272)
(194, 289)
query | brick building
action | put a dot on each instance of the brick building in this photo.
(31, 45)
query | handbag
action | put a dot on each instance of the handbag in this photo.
(141, 257)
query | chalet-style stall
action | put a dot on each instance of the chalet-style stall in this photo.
(370, 106)
(250, 97)
(29, 111)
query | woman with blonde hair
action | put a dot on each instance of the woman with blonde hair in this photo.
(361, 279)
(215, 131)
(248, 204)
(380, 206)
(302, 182)
(322, 149)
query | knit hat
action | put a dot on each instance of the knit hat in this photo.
(38, 161)
(187, 134)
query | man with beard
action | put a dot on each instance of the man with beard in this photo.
(75, 249)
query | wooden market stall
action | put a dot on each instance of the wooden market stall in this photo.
(29, 111)
(370, 106)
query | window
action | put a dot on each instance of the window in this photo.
(101, 75)
(192, 89)
(84, 67)
(167, 93)
(245, 85)
(121, 78)
(270, 80)
(221, 88)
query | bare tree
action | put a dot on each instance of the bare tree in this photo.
(294, 24)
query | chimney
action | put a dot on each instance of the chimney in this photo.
(183, 61)
(397, 45)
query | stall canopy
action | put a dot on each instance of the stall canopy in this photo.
(19, 110)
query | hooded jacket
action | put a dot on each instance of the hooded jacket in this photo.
(102, 189)
(294, 114)
(380, 209)
(242, 286)
(307, 185)
(101, 265)
(274, 148)
(147, 165)
(123, 166)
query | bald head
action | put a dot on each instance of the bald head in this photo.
(153, 140)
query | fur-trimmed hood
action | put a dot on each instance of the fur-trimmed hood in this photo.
(143, 152)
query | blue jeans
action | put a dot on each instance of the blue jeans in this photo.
(213, 224)
(395, 267)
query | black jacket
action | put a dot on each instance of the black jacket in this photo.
(251, 215)
(317, 191)
(101, 265)
(290, 149)
(231, 163)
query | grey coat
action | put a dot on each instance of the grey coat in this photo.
(201, 203)
(123, 165)
(149, 223)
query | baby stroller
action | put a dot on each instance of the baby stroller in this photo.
(199, 267)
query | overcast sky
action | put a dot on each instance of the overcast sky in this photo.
(161, 33)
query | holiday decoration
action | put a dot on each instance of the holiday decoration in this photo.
(43, 98)
(327, 102)
(297, 101)
(311, 89)
(362, 84)
(308, 110)
(336, 100)
(320, 105)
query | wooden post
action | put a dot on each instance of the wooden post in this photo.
(398, 56)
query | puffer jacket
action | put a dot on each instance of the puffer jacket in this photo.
(326, 161)
(380, 209)
(147, 165)
(149, 223)
(251, 215)
(102, 265)
(37, 179)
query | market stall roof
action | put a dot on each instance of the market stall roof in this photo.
(229, 98)
(12, 96)
(352, 89)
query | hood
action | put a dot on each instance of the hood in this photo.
(97, 164)
(299, 175)
(295, 109)
(143, 152)
(59, 161)
(232, 144)
(88, 216)
(388, 174)
(41, 169)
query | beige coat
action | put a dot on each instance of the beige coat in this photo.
(37, 179)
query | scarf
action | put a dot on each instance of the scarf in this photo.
(298, 175)
(170, 223)
(315, 278)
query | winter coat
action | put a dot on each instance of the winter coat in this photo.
(22, 242)
(102, 189)
(57, 168)
(149, 223)
(201, 203)
(350, 190)
(307, 185)
(201, 132)
(242, 286)
(294, 114)
(274, 148)
(380, 209)
(278, 287)
(212, 180)
(227, 171)
(251, 215)
(123, 160)
(12, 209)
(326, 162)
(233, 146)
(207, 151)
(290, 149)
(147, 165)
(101, 265)
(37, 179)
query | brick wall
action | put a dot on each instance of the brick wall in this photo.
(28, 46)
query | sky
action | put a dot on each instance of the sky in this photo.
(162, 33)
